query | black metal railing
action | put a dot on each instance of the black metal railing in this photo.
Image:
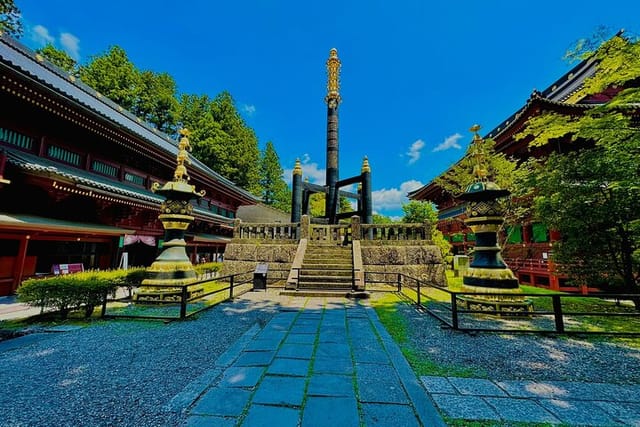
(556, 313)
(178, 302)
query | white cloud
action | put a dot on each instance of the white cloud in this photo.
(393, 198)
(414, 151)
(71, 44)
(449, 142)
(41, 36)
(249, 109)
(309, 170)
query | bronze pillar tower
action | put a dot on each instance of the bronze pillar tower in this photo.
(333, 100)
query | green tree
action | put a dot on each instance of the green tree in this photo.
(592, 195)
(381, 219)
(10, 22)
(59, 58)
(114, 76)
(156, 102)
(418, 212)
(275, 191)
(424, 212)
(240, 156)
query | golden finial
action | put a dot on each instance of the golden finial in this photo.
(333, 81)
(297, 169)
(479, 169)
(183, 157)
(365, 165)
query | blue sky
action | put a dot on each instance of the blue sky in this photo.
(416, 75)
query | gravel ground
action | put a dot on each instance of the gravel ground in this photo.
(117, 373)
(120, 373)
(524, 356)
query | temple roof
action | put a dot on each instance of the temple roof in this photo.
(19, 59)
(94, 183)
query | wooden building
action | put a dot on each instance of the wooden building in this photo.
(76, 172)
(528, 248)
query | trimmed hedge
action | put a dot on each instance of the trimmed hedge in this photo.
(85, 290)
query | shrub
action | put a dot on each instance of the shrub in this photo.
(71, 291)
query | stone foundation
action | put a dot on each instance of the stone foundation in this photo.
(421, 261)
(243, 257)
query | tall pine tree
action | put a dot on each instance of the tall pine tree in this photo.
(275, 191)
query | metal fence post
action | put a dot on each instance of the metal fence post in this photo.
(183, 302)
(454, 311)
(399, 282)
(557, 313)
(419, 303)
(231, 287)
(104, 304)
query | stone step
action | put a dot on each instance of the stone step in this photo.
(319, 270)
(324, 285)
(325, 277)
(341, 263)
(325, 293)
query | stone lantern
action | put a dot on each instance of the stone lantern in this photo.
(172, 268)
(487, 272)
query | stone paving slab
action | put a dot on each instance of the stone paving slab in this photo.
(379, 415)
(290, 367)
(255, 358)
(296, 351)
(329, 366)
(476, 387)
(578, 412)
(628, 413)
(276, 390)
(210, 421)
(465, 407)
(242, 376)
(331, 411)
(328, 385)
(222, 402)
(523, 410)
(270, 416)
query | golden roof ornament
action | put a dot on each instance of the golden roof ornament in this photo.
(333, 79)
(297, 169)
(479, 169)
(365, 165)
(180, 175)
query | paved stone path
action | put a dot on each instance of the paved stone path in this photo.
(554, 402)
(327, 363)
(330, 362)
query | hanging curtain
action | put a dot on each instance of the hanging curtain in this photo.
(130, 239)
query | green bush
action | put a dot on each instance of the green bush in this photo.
(207, 267)
(68, 292)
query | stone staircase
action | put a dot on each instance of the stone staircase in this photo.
(326, 267)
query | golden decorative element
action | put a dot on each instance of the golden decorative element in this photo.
(479, 169)
(333, 82)
(365, 165)
(39, 57)
(297, 169)
(183, 157)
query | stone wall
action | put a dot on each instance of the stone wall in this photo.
(243, 256)
(421, 261)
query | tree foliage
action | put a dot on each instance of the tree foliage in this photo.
(417, 212)
(275, 191)
(59, 58)
(114, 76)
(592, 194)
(157, 103)
(424, 212)
(10, 22)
